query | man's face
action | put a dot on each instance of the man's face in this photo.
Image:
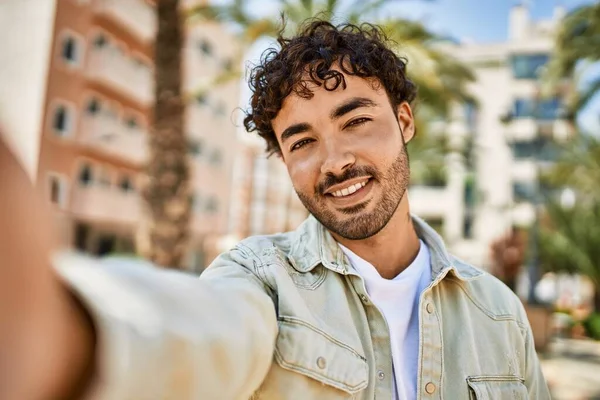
(346, 156)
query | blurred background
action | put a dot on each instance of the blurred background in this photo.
(127, 116)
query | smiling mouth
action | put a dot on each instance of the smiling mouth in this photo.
(350, 189)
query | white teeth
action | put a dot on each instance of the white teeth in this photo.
(349, 190)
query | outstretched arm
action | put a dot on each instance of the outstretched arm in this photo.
(121, 329)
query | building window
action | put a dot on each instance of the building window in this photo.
(549, 109)
(524, 108)
(468, 227)
(131, 122)
(528, 66)
(100, 41)
(106, 245)
(541, 148)
(86, 175)
(71, 50)
(212, 205)
(125, 184)
(195, 148)
(82, 234)
(205, 47)
(93, 106)
(57, 190)
(545, 109)
(201, 99)
(523, 192)
(523, 149)
(62, 120)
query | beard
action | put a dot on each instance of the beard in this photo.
(358, 223)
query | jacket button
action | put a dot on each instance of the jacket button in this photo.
(364, 299)
(430, 388)
(321, 363)
(429, 308)
(380, 375)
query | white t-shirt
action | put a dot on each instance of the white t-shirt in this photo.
(398, 300)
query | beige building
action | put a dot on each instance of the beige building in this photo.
(509, 135)
(491, 175)
(265, 201)
(76, 100)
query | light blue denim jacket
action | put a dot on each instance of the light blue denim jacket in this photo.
(286, 317)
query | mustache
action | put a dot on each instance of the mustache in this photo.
(331, 179)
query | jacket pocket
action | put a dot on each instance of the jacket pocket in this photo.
(501, 387)
(307, 350)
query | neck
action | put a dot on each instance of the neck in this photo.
(391, 250)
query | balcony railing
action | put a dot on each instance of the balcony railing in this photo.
(135, 15)
(112, 67)
(112, 137)
(429, 201)
(521, 129)
(106, 205)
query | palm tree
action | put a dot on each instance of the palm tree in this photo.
(571, 242)
(578, 167)
(577, 45)
(570, 237)
(163, 238)
(440, 78)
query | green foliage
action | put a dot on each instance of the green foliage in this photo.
(592, 326)
(441, 79)
(570, 236)
(571, 240)
(578, 167)
(577, 47)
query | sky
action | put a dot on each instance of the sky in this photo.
(479, 21)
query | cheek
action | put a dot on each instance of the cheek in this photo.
(304, 174)
(381, 144)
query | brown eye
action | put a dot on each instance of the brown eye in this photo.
(300, 144)
(357, 122)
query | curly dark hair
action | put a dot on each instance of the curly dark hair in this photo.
(363, 51)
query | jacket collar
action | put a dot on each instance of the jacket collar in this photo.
(312, 245)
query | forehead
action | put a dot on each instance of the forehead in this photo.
(296, 109)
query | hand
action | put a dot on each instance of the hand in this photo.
(46, 339)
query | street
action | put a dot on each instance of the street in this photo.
(572, 369)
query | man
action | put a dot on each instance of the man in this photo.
(362, 301)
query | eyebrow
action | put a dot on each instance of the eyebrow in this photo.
(294, 130)
(350, 105)
(339, 111)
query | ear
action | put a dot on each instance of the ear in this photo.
(406, 121)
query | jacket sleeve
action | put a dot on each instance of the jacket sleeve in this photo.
(169, 335)
(534, 378)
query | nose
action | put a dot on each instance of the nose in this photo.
(336, 161)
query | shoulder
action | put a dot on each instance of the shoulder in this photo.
(263, 249)
(490, 294)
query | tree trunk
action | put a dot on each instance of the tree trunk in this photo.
(165, 189)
